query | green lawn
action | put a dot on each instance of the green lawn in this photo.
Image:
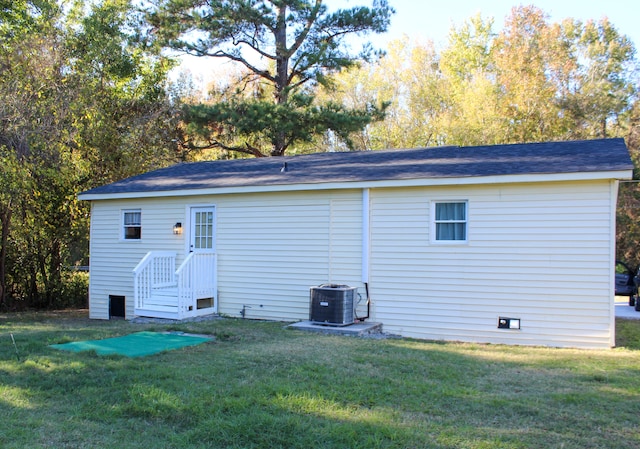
(259, 385)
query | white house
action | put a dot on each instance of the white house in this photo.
(506, 244)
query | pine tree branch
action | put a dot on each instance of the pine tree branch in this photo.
(223, 54)
(245, 149)
(305, 32)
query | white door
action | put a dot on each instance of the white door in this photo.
(202, 230)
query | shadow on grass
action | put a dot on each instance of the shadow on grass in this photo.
(264, 386)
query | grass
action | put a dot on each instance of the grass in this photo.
(259, 385)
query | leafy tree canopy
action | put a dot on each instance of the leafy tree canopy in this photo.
(82, 103)
(533, 80)
(287, 47)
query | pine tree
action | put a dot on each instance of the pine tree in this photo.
(288, 47)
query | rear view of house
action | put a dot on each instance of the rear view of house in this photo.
(506, 244)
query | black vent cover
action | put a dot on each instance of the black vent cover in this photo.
(332, 304)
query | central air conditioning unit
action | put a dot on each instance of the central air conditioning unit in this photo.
(332, 305)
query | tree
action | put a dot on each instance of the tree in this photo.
(471, 113)
(628, 211)
(125, 121)
(408, 80)
(601, 90)
(32, 121)
(13, 183)
(523, 65)
(82, 102)
(531, 81)
(287, 47)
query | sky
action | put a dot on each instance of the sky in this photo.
(432, 19)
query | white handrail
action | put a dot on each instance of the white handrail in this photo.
(155, 270)
(150, 256)
(184, 264)
(185, 290)
(197, 279)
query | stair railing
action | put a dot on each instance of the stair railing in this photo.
(197, 279)
(157, 269)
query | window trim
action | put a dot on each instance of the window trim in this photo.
(124, 226)
(433, 234)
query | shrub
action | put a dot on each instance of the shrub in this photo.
(74, 291)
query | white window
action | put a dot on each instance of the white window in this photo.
(131, 224)
(202, 228)
(449, 223)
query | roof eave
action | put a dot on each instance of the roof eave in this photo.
(419, 182)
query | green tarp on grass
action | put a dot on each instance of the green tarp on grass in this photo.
(134, 345)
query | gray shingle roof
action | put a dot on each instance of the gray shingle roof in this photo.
(426, 163)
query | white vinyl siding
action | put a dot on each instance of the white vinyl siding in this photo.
(539, 252)
(272, 248)
(113, 259)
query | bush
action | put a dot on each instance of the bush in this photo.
(71, 291)
(74, 292)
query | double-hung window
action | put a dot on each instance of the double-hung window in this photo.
(131, 224)
(449, 221)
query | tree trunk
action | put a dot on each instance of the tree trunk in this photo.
(5, 218)
(282, 75)
(54, 275)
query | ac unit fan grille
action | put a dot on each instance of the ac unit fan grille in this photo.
(333, 305)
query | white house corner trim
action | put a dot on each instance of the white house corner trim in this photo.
(615, 184)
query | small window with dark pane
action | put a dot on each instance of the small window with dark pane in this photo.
(450, 221)
(132, 224)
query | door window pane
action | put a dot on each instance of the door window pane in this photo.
(203, 229)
